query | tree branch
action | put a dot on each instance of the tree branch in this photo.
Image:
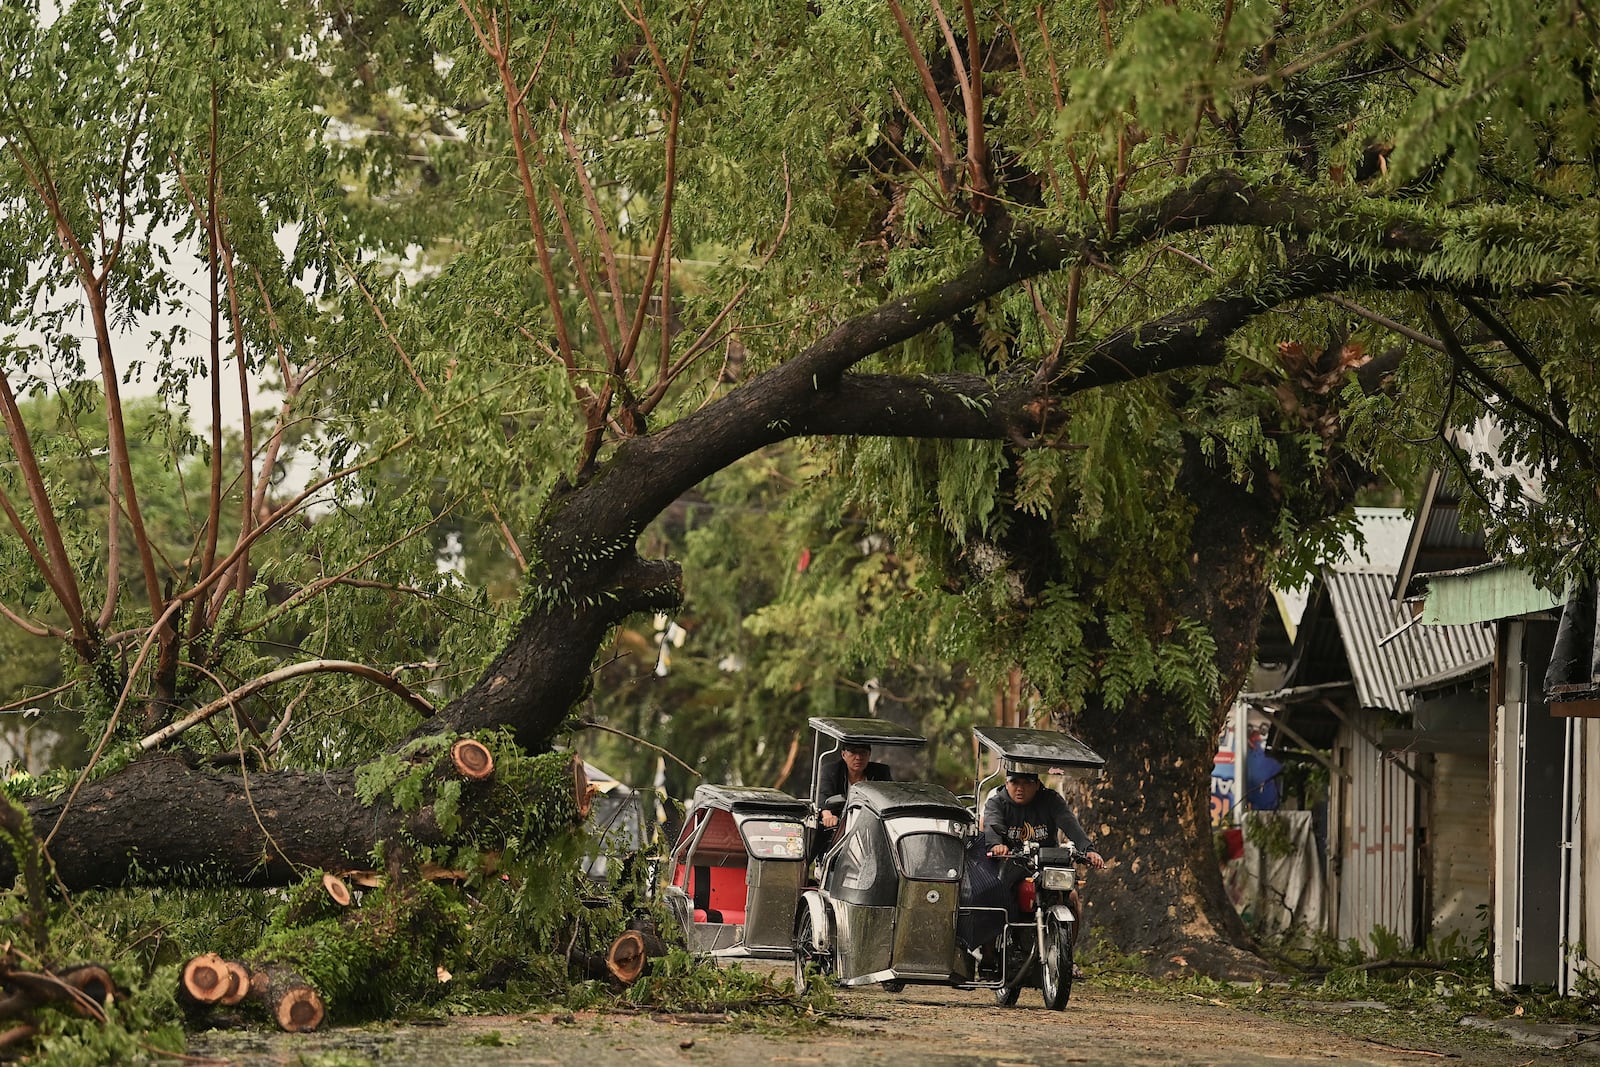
(296, 670)
(1506, 395)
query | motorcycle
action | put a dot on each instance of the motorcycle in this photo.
(1038, 944)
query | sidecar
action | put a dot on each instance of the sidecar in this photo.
(885, 908)
(737, 870)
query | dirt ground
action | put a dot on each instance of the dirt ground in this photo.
(923, 1025)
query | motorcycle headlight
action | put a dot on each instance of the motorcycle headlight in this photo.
(1064, 879)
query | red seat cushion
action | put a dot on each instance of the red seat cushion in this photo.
(725, 895)
(728, 893)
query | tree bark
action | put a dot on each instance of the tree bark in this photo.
(287, 998)
(159, 818)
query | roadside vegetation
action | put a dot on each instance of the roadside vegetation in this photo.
(518, 375)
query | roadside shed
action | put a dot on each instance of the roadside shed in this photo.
(1541, 701)
(1351, 697)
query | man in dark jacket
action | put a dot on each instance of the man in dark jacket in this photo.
(1026, 811)
(853, 765)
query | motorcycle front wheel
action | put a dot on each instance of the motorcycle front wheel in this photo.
(1056, 967)
(809, 962)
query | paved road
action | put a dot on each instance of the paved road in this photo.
(923, 1026)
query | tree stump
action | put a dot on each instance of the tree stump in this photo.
(288, 998)
(472, 759)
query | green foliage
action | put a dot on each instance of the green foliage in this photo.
(368, 963)
(679, 982)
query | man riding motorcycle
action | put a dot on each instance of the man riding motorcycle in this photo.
(1027, 811)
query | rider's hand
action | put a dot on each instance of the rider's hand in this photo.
(1000, 851)
(830, 820)
(1094, 859)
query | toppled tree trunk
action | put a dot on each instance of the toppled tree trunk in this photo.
(287, 821)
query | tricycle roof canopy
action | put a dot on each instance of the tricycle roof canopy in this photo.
(866, 731)
(896, 798)
(745, 799)
(1038, 750)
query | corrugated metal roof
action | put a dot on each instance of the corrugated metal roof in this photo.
(1366, 615)
(1385, 533)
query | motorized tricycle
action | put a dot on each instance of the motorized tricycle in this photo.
(885, 906)
(898, 897)
(737, 870)
(1036, 886)
(744, 854)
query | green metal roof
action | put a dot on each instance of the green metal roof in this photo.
(1484, 594)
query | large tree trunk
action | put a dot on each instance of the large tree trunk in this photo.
(161, 820)
(1150, 812)
(1151, 809)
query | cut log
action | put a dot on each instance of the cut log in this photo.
(337, 889)
(239, 987)
(593, 968)
(205, 979)
(630, 954)
(291, 1001)
(472, 759)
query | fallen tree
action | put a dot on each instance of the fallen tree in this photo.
(920, 262)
